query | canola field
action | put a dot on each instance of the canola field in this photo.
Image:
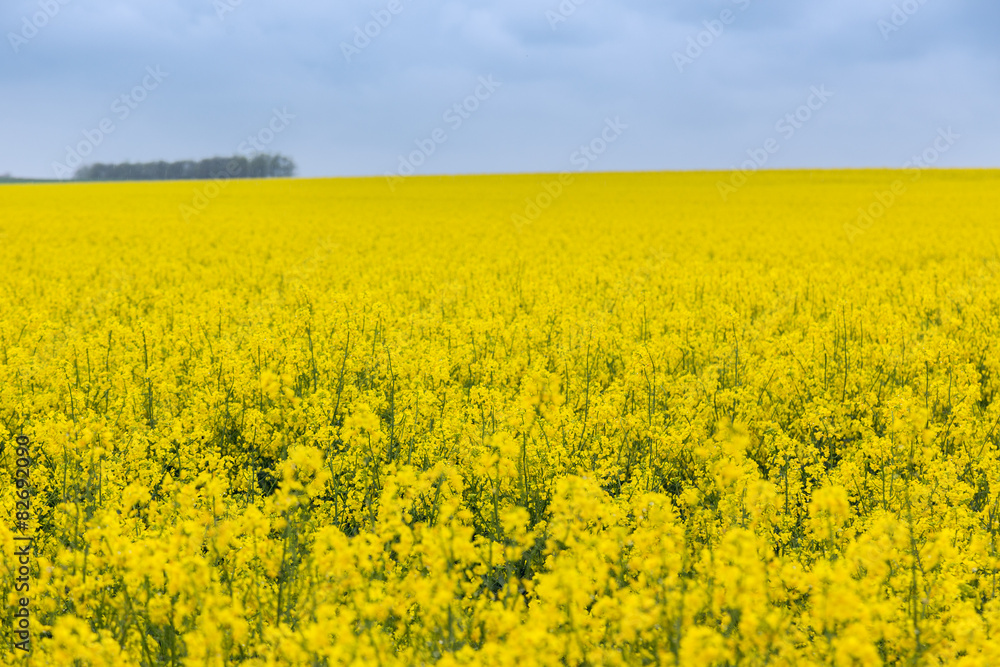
(508, 420)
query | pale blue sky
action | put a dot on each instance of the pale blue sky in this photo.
(898, 71)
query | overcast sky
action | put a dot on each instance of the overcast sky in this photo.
(690, 85)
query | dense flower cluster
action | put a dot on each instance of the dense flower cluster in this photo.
(322, 424)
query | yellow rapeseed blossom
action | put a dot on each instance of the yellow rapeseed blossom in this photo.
(323, 424)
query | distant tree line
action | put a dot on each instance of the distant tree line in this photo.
(260, 166)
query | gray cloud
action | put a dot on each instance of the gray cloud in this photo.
(226, 75)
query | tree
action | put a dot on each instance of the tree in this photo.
(263, 165)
